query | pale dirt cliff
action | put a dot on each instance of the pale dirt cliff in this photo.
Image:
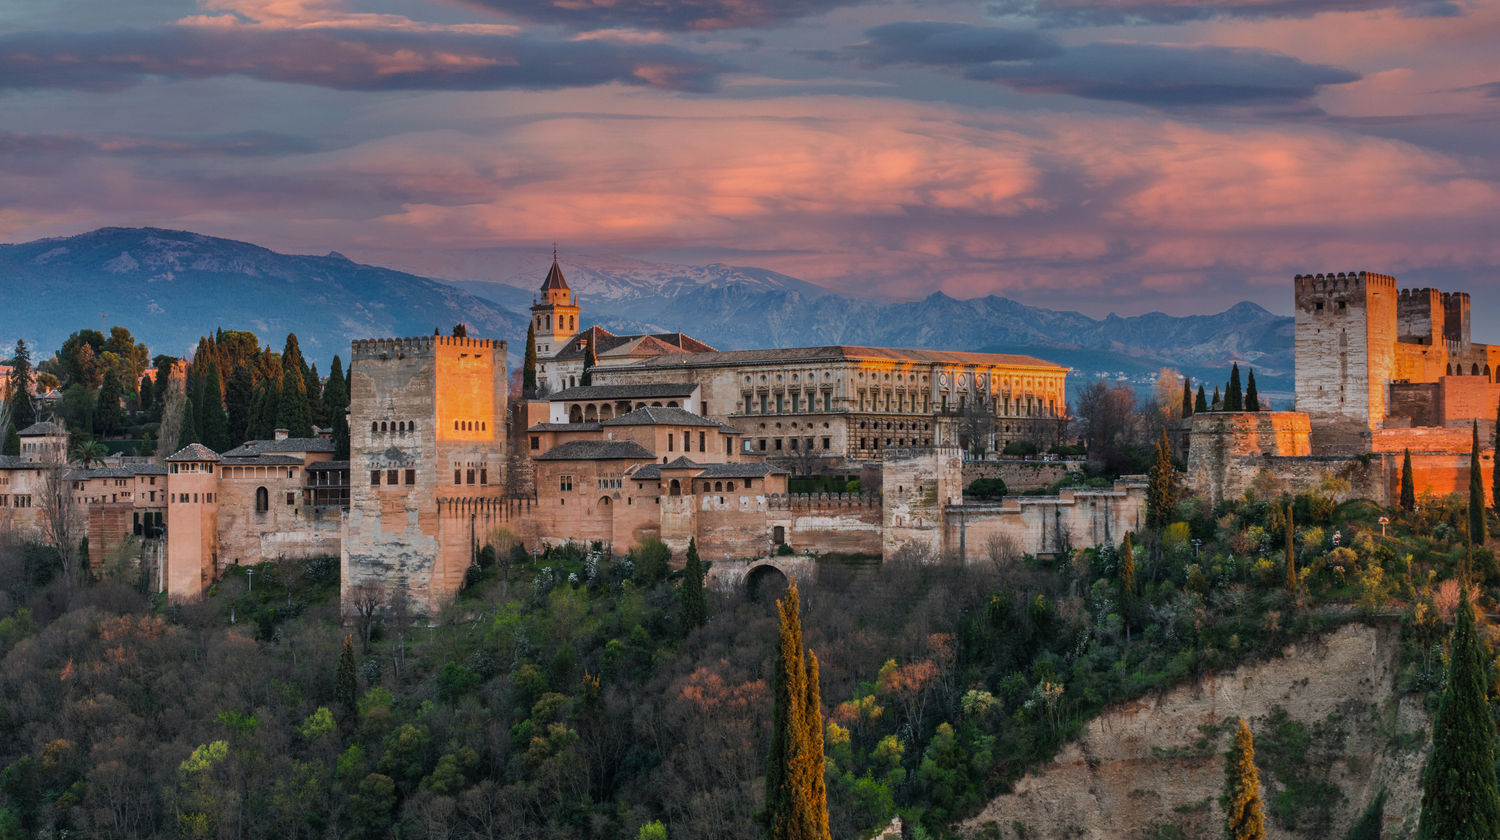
(1146, 771)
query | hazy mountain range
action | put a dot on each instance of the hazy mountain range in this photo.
(169, 287)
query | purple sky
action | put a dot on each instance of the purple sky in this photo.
(1102, 155)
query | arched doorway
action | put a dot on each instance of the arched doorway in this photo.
(575, 415)
(765, 584)
(606, 510)
(675, 488)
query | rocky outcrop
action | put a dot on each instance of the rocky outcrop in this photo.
(1154, 768)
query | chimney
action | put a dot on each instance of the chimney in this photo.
(281, 434)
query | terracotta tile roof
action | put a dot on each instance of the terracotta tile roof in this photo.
(46, 428)
(266, 447)
(682, 462)
(607, 343)
(565, 427)
(844, 352)
(596, 450)
(194, 452)
(657, 416)
(623, 392)
(740, 470)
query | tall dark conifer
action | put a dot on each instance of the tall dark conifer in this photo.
(188, 432)
(528, 367)
(1201, 403)
(1459, 799)
(1234, 399)
(1291, 550)
(22, 412)
(315, 405)
(1252, 396)
(336, 399)
(1408, 484)
(292, 410)
(1161, 488)
(590, 359)
(1127, 568)
(12, 440)
(239, 398)
(1476, 494)
(145, 394)
(692, 596)
(1187, 398)
(346, 689)
(1218, 402)
(110, 416)
(796, 800)
(1244, 819)
(215, 428)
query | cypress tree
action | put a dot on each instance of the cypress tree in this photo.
(315, 405)
(1234, 400)
(1243, 817)
(111, 415)
(1201, 403)
(1459, 799)
(1371, 824)
(1218, 403)
(1161, 489)
(528, 368)
(144, 394)
(239, 399)
(22, 412)
(1187, 398)
(1291, 550)
(590, 358)
(1476, 494)
(694, 599)
(346, 690)
(796, 801)
(292, 410)
(12, 440)
(1127, 568)
(189, 430)
(336, 398)
(1252, 396)
(215, 428)
(1408, 486)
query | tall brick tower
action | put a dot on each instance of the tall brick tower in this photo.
(554, 315)
(1346, 333)
(426, 455)
(192, 520)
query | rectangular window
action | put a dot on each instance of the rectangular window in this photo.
(484, 476)
(671, 442)
(763, 444)
(536, 442)
(411, 476)
(291, 497)
(827, 401)
(762, 403)
(374, 478)
(392, 477)
(825, 443)
(701, 439)
(458, 477)
(778, 444)
(470, 475)
(565, 483)
(794, 443)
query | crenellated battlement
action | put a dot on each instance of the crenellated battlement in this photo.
(374, 348)
(822, 501)
(1343, 281)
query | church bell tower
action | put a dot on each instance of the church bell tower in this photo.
(554, 314)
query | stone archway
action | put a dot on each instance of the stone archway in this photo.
(765, 583)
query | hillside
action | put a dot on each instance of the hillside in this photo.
(169, 287)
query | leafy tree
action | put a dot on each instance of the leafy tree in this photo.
(239, 398)
(1127, 568)
(1161, 488)
(796, 798)
(1201, 403)
(90, 453)
(1243, 816)
(22, 412)
(215, 428)
(694, 599)
(263, 410)
(1187, 397)
(590, 359)
(292, 410)
(653, 830)
(460, 331)
(1408, 486)
(1459, 798)
(12, 440)
(1252, 396)
(110, 416)
(1234, 400)
(650, 557)
(346, 689)
(528, 367)
(1476, 494)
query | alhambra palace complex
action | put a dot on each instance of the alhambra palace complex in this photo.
(675, 439)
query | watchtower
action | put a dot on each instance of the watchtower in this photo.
(192, 521)
(426, 427)
(1346, 333)
(554, 315)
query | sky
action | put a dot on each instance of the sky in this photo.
(1098, 155)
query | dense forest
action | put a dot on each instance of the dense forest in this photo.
(576, 695)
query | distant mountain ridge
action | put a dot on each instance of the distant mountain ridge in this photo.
(169, 287)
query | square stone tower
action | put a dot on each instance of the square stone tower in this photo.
(1346, 333)
(426, 435)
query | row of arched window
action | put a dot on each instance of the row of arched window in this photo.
(470, 426)
(1458, 370)
(400, 427)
